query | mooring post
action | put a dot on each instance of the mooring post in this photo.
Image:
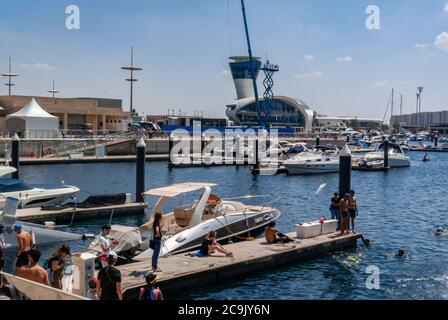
(386, 153)
(15, 156)
(345, 171)
(317, 141)
(436, 140)
(141, 161)
(256, 168)
(170, 149)
(204, 144)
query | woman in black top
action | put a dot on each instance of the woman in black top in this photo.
(157, 230)
(57, 264)
(210, 246)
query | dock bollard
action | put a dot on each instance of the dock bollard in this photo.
(170, 149)
(204, 145)
(141, 161)
(256, 168)
(436, 141)
(386, 153)
(15, 155)
(345, 171)
(317, 141)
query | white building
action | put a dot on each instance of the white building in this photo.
(323, 121)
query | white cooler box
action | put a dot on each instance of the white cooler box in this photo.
(313, 229)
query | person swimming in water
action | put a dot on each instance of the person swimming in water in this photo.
(426, 157)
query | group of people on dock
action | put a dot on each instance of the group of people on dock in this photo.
(28, 257)
(345, 210)
(106, 286)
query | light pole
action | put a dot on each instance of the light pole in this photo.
(132, 69)
(9, 75)
(53, 91)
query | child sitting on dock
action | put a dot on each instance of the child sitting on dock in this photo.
(210, 246)
(273, 236)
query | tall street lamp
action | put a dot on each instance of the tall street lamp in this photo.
(132, 69)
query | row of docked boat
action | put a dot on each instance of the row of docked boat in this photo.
(326, 160)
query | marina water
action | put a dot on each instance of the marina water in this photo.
(399, 209)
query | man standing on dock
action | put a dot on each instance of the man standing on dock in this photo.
(106, 243)
(343, 207)
(25, 243)
(353, 210)
(334, 209)
(109, 281)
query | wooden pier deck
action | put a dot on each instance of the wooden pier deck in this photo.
(183, 273)
(37, 215)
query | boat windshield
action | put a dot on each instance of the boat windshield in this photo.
(394, 148)
(13, 185)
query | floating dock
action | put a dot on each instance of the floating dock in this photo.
(89, 159)
(182, 273)
(427, 150)
(63, 216)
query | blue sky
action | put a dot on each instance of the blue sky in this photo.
(327, 56)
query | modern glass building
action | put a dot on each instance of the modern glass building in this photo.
(285, 112)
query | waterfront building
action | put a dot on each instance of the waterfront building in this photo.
(286, 112)
(186, 121)
(434, 120)
(326, 122)
(74, 114)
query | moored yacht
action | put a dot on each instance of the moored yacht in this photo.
(397, 157)
(186, 226)
(313, 163)
(32, 195)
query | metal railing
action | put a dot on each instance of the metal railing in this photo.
(84, 145)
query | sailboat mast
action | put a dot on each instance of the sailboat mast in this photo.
(252, 62)
(392, 103)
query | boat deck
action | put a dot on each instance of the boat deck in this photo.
(182, 273)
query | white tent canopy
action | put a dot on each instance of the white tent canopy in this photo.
(34, 121)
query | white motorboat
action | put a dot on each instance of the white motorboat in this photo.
(397, 157)
(185, 227)
(323, 162)
(5, 170)
(41, 234)
(32, 195)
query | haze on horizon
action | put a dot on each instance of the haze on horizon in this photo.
(327, 56)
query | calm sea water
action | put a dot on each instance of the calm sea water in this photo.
(400, 209)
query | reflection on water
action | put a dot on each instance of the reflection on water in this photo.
(400, 209)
